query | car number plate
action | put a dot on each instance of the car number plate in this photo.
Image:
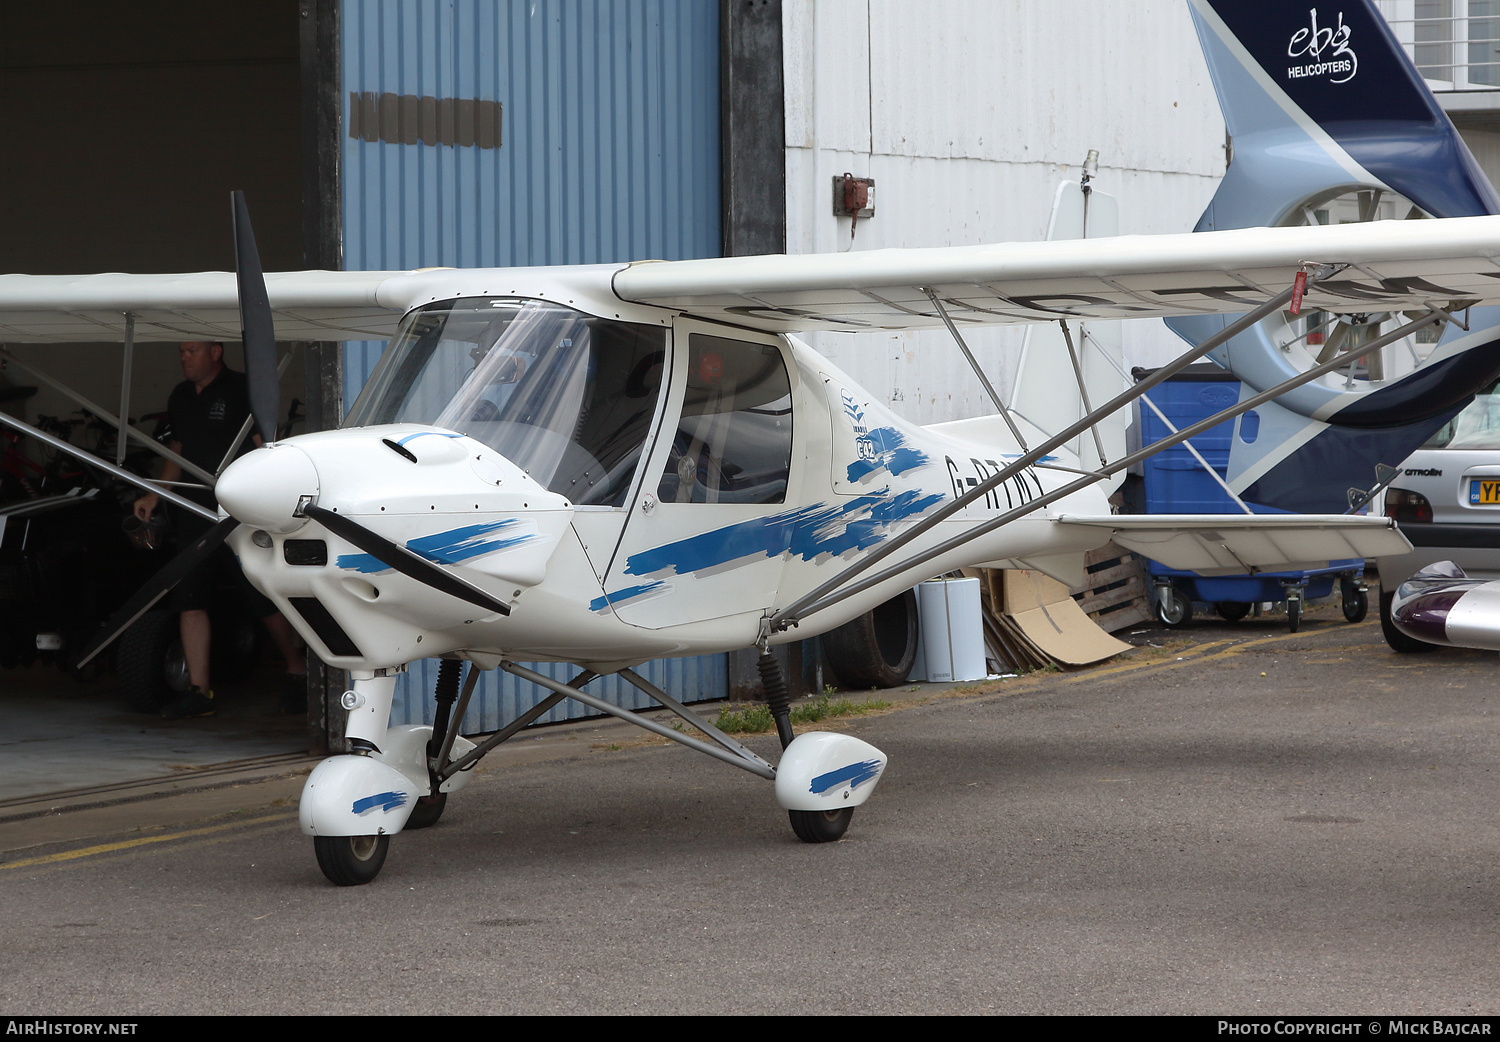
(1484, 491)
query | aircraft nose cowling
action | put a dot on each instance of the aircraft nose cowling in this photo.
(262, 488)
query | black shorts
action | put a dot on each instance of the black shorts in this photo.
(199, 589)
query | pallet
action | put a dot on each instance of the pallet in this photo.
(1114, 593)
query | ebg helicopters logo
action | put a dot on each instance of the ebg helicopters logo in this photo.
(1325, 51)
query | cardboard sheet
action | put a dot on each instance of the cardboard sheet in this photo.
(1049, 617)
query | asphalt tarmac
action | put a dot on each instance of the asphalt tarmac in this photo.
(1239, 822)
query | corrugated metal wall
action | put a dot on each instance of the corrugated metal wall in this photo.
(609, 136)
(501, 697)
(607, 149)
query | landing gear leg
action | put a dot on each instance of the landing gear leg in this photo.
(778, 700)
(351, 804)
(811, 826)
(430, 808)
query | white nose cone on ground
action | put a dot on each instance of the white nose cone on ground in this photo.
(262, 488)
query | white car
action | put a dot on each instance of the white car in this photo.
(1447, 502)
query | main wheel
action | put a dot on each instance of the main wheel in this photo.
(1172, 608)
(351, 860)
(1293, 613)
(1394, 637)
(820, 826)
(426, 812)
(1231, 611)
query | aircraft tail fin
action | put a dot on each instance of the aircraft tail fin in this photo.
(1330, 122)
(1316, 101)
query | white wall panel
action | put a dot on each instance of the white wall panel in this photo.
(967, 113)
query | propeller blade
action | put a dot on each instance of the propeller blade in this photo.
(403, 560)
(257, 330)
(160, 585)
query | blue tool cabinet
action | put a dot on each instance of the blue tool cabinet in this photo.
(1176, 483)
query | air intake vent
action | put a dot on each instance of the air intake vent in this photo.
(305, 551)
(328, 630)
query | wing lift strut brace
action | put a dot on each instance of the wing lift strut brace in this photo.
(127, 430)
(726, 748)
(844, 585)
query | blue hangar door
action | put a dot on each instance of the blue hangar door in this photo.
(493, 133)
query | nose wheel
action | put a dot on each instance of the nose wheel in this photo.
(351, 860)
(821, 826)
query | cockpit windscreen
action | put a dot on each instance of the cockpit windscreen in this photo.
(567, 397)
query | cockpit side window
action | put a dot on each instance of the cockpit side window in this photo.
(734, 440)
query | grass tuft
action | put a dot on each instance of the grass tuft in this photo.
(757, 719)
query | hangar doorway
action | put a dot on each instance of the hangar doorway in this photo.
(129, 126)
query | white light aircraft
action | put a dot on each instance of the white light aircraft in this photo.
(607, 464)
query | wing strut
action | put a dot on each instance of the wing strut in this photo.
(810, 604)
(974, 365)
(824, 595)
(1083, 387)
(1172, 427)
(89, 459)
(109, 418)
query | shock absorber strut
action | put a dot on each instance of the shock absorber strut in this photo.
(778, 700)
(446, 694)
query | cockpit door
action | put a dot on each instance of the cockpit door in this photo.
(706, 533)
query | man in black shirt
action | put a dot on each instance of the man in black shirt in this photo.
(206, 412)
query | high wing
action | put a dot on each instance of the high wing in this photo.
(1390, 265)
(1393, 264)
(1240, 544)
(308, 305)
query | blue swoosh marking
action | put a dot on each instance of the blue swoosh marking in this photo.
(380, 801)
(807, 532)
(620, 596)
(856, 774)
(451, 547)
(423, 434)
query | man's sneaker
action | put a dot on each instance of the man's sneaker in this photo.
(293, 699)
(190, 704)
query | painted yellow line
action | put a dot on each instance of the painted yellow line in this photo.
(109, 848)
(1193, 654)
(1200, 653)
